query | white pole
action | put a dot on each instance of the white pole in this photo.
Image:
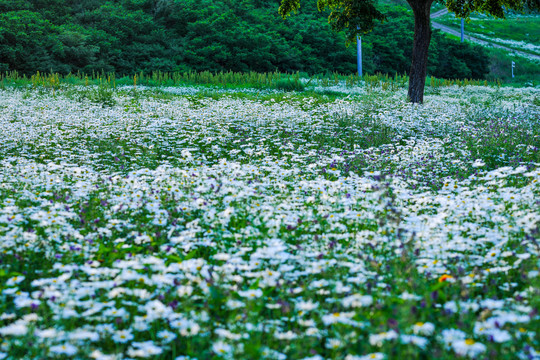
(359, 55)
(513, 65)
(462, 30)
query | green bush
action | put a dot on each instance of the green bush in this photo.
(289, 85)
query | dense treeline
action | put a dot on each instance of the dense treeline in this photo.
(128, 36)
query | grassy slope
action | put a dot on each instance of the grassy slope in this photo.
(521, 28)
(516, 27)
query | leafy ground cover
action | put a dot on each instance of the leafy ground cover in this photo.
(337, 223)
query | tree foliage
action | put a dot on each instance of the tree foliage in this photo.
(128, 36)
(353, 16)
(497, 8)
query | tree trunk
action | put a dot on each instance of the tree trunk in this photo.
(422, 37)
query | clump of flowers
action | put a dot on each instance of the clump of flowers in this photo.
(237, 227)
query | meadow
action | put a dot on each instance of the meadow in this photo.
(209, 222)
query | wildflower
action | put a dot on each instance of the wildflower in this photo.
(306, 305)
(478, 163)
(81, 335)
(221, 348)
(407, 296)
(499, 336)
(468, 347)
(105, 328)
(251, 294)
(492, 304)
(372, 356)
(14, 280)
(155, 309)
(113, 312)
(15, 329)
(449, 336)
(337, 317)
(166, 336)
(289, 335)
(234, 304)
(446, 277)
(186, 327)
(26, 302)
(313, 331)
(45, 334)
(224, 333)
(122, 336)
(314, 357)
(98, 355)
(140, 324)
(419, 341)
(423, 328)
(495, 334)
(184, 290)
(307, 323)
(357, 301)
(144, 349)
(270, 277)
(378, 339)
(333, 344)
(64, 349)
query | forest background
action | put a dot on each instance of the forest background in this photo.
(130, 36)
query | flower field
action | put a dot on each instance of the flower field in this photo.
(206, 223)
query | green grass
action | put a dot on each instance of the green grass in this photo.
(524, 28)
(526, 71)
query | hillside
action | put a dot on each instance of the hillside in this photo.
(129, 36)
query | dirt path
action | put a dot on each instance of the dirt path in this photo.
(457, 33)
(439, 13)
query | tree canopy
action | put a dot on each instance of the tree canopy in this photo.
(352, 16)
(128, 36)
